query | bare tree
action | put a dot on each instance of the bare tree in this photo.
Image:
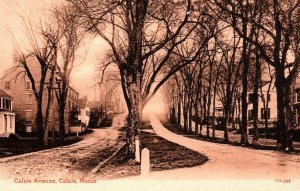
(43, 52)
(143, 35)
(230, 76)
(70, 38)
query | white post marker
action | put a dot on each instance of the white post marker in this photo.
(145, 164)
(137, 151)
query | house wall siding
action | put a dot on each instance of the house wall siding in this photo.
(22, 102)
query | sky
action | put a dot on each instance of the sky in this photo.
(84, 76)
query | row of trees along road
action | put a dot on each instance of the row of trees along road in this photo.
(203, 45)
(261, 37)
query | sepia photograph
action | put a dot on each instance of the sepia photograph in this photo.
(149, 95)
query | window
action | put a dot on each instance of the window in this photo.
(8, 104)
(4, 104)
(250, 114)
(28, 85)
(28, 99)
(7, 85)
(298, 96)
(262, 112)
(251, 98)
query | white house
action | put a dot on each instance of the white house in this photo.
(267, 101)
(84, 115)
(7, 117)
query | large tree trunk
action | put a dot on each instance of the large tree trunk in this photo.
(185, 114)
(224, 122)
(39, 123)
(208, 108)
(282, 136)
(49, 100)
(204, 97)
(61, 120)
(179, 114)
(134, 118)
(290, 119)
(255, 115)
(255, 101)
(244, 137)
(196, 118)
(227, 105)
(190, 116)
(214, 112)
(61, 97)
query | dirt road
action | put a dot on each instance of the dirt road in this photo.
(69, 162)
(230, 162)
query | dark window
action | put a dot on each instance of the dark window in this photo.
(8, 104)
(298, 96)
(251, 98)
(250, 114)
(4, 103)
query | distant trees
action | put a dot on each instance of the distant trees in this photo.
(259, 34)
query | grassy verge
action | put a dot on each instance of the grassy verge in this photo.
(164, 155)
(10, 147)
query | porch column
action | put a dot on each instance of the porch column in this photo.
(8, 125)
(13, 121)
(2, 126)
(1, 103)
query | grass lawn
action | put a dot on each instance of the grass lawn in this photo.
(10, 147)
(164, 155)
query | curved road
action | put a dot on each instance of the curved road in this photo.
(229, 162)
(68, 161)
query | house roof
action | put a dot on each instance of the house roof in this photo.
(4, 94)
(263, 83)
